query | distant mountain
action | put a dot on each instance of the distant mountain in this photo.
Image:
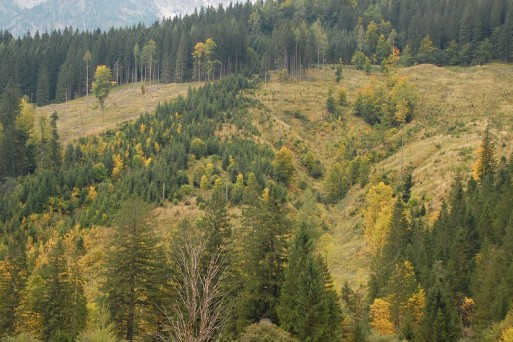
(21, 16)
(8, 10)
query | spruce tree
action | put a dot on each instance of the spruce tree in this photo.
(308, 306)
(265, 227)
(13, 278)
(55, 145)
(43, 86)
(440, 322)
(135, 273)
(465, 241)
(63, 306)
(215, 223)
(485, 166)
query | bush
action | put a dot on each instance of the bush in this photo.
(99, 172)
(198, 148)
(265, 331)
(358, 60)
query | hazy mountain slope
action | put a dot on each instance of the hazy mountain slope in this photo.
(46, 15)
(8, 10)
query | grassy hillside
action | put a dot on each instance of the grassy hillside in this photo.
(83, 116)
(454, 105)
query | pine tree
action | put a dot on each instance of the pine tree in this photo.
(216, 223)
(134, 271)
(43, 86)
(13, 278)
(55, 145)
(265, 227)
(440, 322)
(308, 309)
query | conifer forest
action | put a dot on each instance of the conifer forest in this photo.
(336, 170)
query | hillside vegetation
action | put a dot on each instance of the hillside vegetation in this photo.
(283, 197)
(82, 117)
(453, 109)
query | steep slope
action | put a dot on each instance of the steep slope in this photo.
(453, 108)
(454, 105)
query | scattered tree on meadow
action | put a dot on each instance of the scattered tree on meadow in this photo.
(102, 85)
(485, 164)
(358, 60)
(427, 51)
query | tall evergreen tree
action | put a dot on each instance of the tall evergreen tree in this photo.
(266, 228)
(43, 86)
(13, 277)
(55, 145)
(134, 271)
(440, 322)
(216, 223)
(485, 166)
(55, 295)
(308, 309)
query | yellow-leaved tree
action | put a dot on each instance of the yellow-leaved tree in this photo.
(283, 165)
(507, 335)
(102, 85)
(485, 164)
(377, 215)
(381, 317)
(198, 54)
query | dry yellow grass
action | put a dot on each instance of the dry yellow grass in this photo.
(82, 116)
(454, 106)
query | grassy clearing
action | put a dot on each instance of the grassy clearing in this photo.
(82, 116)
(454, 106)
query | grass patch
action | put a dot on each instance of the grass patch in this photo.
(82, 116)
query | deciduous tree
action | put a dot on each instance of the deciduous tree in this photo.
(102, 85)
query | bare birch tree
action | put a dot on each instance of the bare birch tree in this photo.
(201, 309)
